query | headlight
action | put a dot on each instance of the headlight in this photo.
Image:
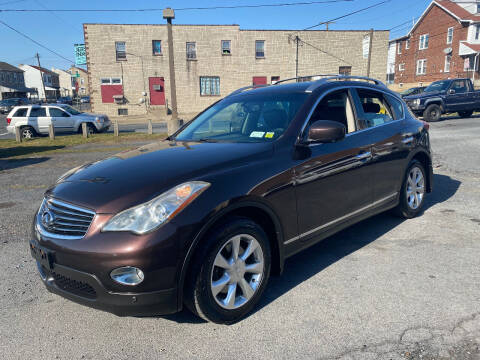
(149, 216)
(416, 102)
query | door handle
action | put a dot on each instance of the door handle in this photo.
(363, 156)
(408, 140)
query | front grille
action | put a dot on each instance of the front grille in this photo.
(75, 287)
(57, 217)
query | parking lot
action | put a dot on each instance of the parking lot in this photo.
(384, 288)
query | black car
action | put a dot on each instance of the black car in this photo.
(203, 218)
(8, 104)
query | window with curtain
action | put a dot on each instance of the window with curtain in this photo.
(209, 85)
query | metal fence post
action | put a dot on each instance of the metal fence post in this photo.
(51, 132)
(18, 135)
(150, 127)
(115, 128)
(84, 130)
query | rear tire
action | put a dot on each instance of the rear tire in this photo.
(224, 284)
(412, 194)
(432, 113)
(465, 114)
(27, 132)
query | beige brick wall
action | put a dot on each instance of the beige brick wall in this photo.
(236, 70)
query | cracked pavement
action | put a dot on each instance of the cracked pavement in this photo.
(382, 289)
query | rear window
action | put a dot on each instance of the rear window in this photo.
(20, 112)
(38, 111)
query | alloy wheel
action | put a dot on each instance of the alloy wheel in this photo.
(27, 134)
(415, 188)
(237, 271)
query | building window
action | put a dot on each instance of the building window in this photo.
(111, 81)
(209, 85)
(260, 48)
(226, 47)
(105, 81)
(478, 8)
(407, 44)
(450, 35)
(399, 47)
(423, 43)
(82, 81)
(421, 67)
(401, 67)
(345, 70)
(191, 51)
(274, 79)
(477, 32)
(448, 60)
(120, 51)
(157, 47)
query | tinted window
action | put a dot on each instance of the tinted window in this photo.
(460, 86)
(21, 112)
(57, 112)
(256, 118)
(38, 111)
(376, 110)
(396, 107)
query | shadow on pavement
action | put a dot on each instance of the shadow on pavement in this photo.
(13, 164)
(306, 264)
(26, 150)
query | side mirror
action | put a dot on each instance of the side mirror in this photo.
(326, 131)
(451, 91)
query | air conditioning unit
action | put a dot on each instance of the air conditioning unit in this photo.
(119, 99)
(158, 87)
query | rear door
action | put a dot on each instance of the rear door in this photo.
(62, 121)
(39, 119)
(333, 184)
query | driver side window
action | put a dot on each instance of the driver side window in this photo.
(335, 106)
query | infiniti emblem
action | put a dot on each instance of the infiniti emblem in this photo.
(48, 219)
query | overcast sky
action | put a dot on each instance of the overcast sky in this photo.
(60, 30)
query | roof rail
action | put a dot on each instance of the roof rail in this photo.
(303, 77)
(329, 77)
(238, 91)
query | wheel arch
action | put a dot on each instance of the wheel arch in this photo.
(435, 101)
(252, 209)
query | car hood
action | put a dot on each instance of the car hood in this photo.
(423, 95)
(133, 177)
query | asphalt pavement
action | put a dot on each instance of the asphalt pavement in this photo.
(382, 289)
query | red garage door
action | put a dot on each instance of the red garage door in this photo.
(157, 90)
(259, 80)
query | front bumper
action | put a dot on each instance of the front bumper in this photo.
(86, 289)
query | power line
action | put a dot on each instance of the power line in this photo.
(182, 9)
(36, 42)
(323, 51)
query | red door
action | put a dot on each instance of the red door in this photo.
(259, 80)
(157, 90)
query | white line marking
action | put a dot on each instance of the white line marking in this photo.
(4, 134)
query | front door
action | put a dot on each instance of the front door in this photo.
(39, 119)
(259, 80)
(62, 122)
(334, 182)
(157, 90)
(457, 96)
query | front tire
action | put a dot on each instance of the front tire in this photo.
(432, 113)
(230, 272)
(412, 194)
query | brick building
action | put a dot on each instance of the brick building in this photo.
(443, 43)
(129, 70)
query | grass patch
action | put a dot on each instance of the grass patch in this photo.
(11, 150)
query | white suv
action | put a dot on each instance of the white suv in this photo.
(36, 119)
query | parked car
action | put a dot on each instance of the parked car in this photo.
(64, 100)
(412, 91)
(445, 96)
(8, 104)
(204, 217)
(85, 99)
(35, 120)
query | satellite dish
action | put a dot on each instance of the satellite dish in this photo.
(447, 50)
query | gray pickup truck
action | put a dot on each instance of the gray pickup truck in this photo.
(445, 96)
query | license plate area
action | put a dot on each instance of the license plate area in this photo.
(43, 256)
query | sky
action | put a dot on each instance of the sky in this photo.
(59, 31)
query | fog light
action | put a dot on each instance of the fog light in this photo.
(127, 275)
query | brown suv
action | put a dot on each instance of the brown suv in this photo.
(204, 217)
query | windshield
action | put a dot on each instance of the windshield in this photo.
(256, 118)
(437, 86)
(70, 109)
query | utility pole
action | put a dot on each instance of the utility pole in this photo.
(41, 76)
(172, 125)
(370, 53)
(297, 39)
(328, 23)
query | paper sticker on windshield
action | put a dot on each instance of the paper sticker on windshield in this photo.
(257, 134)
(269, 135)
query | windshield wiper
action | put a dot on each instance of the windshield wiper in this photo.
(207, 140)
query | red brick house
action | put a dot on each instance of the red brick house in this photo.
(443, 43)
